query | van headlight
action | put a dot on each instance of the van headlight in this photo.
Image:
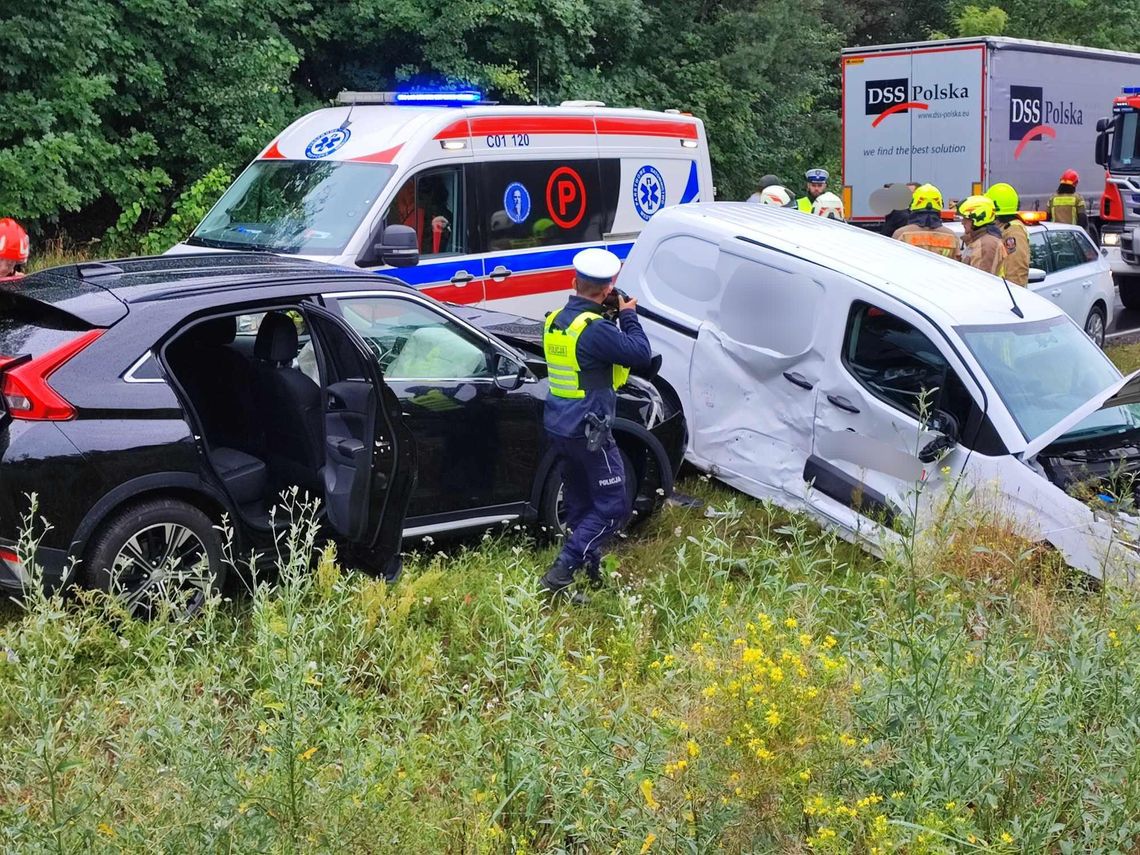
(1110, 238)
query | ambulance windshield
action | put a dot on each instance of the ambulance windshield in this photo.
(303, 207)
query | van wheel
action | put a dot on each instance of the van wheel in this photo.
(1129, 291)
(1095, 325)
(551, 514)
(162, 551)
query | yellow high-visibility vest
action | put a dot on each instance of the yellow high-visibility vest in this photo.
(561, 349)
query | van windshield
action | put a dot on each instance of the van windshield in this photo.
(1044, 370)
(304, 207)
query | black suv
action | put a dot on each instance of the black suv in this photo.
(144, 400)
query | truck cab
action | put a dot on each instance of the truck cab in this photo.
(1118, 151)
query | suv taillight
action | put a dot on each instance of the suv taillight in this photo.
(25, 388)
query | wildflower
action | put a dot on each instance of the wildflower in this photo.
(307, 754)
(655, 712)
(971, 839)
(312, 680)
(951, 805)
(243, 808)
(898, 794)
(709, 691)
(693, 749)
(105, 829)
(1006, 838)
(805, 640)
(772, 717)
(829, 641)
(650, 839)
(805, 775)
(1112, 637)
(647, 792)
(791, 623)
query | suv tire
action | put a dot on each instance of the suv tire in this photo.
(178, 544)
(549, 514)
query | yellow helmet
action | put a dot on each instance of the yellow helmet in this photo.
(979, 210)
(1005, 198)
(926, 197)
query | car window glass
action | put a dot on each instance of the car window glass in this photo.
(1066, 251)
(1085, 246)
(900, 365)
(767, 307)
(682, 276)
(414, 342)
(541, 203)
(431, 202)
(1039, 253)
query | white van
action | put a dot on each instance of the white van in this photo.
(500, 198)
(833, 371)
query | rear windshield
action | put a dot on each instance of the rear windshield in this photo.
(28, 326)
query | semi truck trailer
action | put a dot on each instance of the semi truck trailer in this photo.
(965, 113)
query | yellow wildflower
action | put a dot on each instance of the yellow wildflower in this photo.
(650, 839)
(791, 623)
(647, 792)
(772, 717)
(805, 775)
(105, 829)
(693, 749)
(307, 754)
(805, 640)
(829, 641)
(710, 690)
(1006, 837)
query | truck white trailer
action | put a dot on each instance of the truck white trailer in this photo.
(965, 113)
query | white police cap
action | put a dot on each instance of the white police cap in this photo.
(597, 263)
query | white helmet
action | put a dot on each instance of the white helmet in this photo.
(777, 196)
(828, 205)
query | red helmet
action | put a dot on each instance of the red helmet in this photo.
(1069, 176)
(14, 243)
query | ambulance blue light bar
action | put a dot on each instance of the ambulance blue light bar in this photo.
(1131, 90)
(422, 98)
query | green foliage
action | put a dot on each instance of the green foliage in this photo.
(972, 21)
(124, 238)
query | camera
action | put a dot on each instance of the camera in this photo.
(611, 303)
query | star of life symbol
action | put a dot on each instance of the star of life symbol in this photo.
(327, 143)
(648, 192)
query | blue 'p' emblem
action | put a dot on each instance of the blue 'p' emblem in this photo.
(648, 192)
(326, 143)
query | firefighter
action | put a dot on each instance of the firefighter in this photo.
(1067, 206)
(780, 197)
(1015, 239)
(828, 205)
(982, 244)
(763, 184)
(588, 359)
(14, 248)
(816, 179)
(925, 228)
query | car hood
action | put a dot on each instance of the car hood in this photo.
(515, 329)
(1125, 391)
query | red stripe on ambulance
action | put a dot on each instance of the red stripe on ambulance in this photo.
(481, 125)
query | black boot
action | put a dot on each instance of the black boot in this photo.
(558, 579)
(594, 574)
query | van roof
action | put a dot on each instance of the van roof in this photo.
(370, 133)
(954, 292)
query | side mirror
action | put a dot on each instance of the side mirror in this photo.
(946, 427)
(399, 246)
(651, 371)
(509, 373)
(1103, 125)
(1101, 148)
(1036, 274)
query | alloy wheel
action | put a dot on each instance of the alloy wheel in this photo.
(165, 562)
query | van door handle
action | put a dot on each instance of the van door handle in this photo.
(499, 272)
(461, 278)
(843, 403)
(1056, 292)
(797, 380)
(1086, 284)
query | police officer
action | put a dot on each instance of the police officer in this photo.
(14, 248)
(588, 358)
(1067, 206)
(983, 247)
(925, 229)
(1015, 266)
(816, 179)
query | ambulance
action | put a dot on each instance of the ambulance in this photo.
(500, 198)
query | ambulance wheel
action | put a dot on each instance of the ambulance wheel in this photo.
(1129, 291)
(551, 514)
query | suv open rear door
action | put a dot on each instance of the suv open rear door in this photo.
(370, 456)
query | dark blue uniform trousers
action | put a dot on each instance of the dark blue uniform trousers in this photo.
(594, 497)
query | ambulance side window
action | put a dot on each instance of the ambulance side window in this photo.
(432, 203)
(539, 203)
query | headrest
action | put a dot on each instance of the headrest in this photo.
(276, 338)
(214, 332)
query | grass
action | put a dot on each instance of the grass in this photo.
(745, 682)
(1126, 356)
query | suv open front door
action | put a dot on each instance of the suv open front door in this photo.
(370, 456)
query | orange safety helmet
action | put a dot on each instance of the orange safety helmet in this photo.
(14, 243)
(1070, 176)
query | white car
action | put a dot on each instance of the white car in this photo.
(1067, 269)
(834, 371)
